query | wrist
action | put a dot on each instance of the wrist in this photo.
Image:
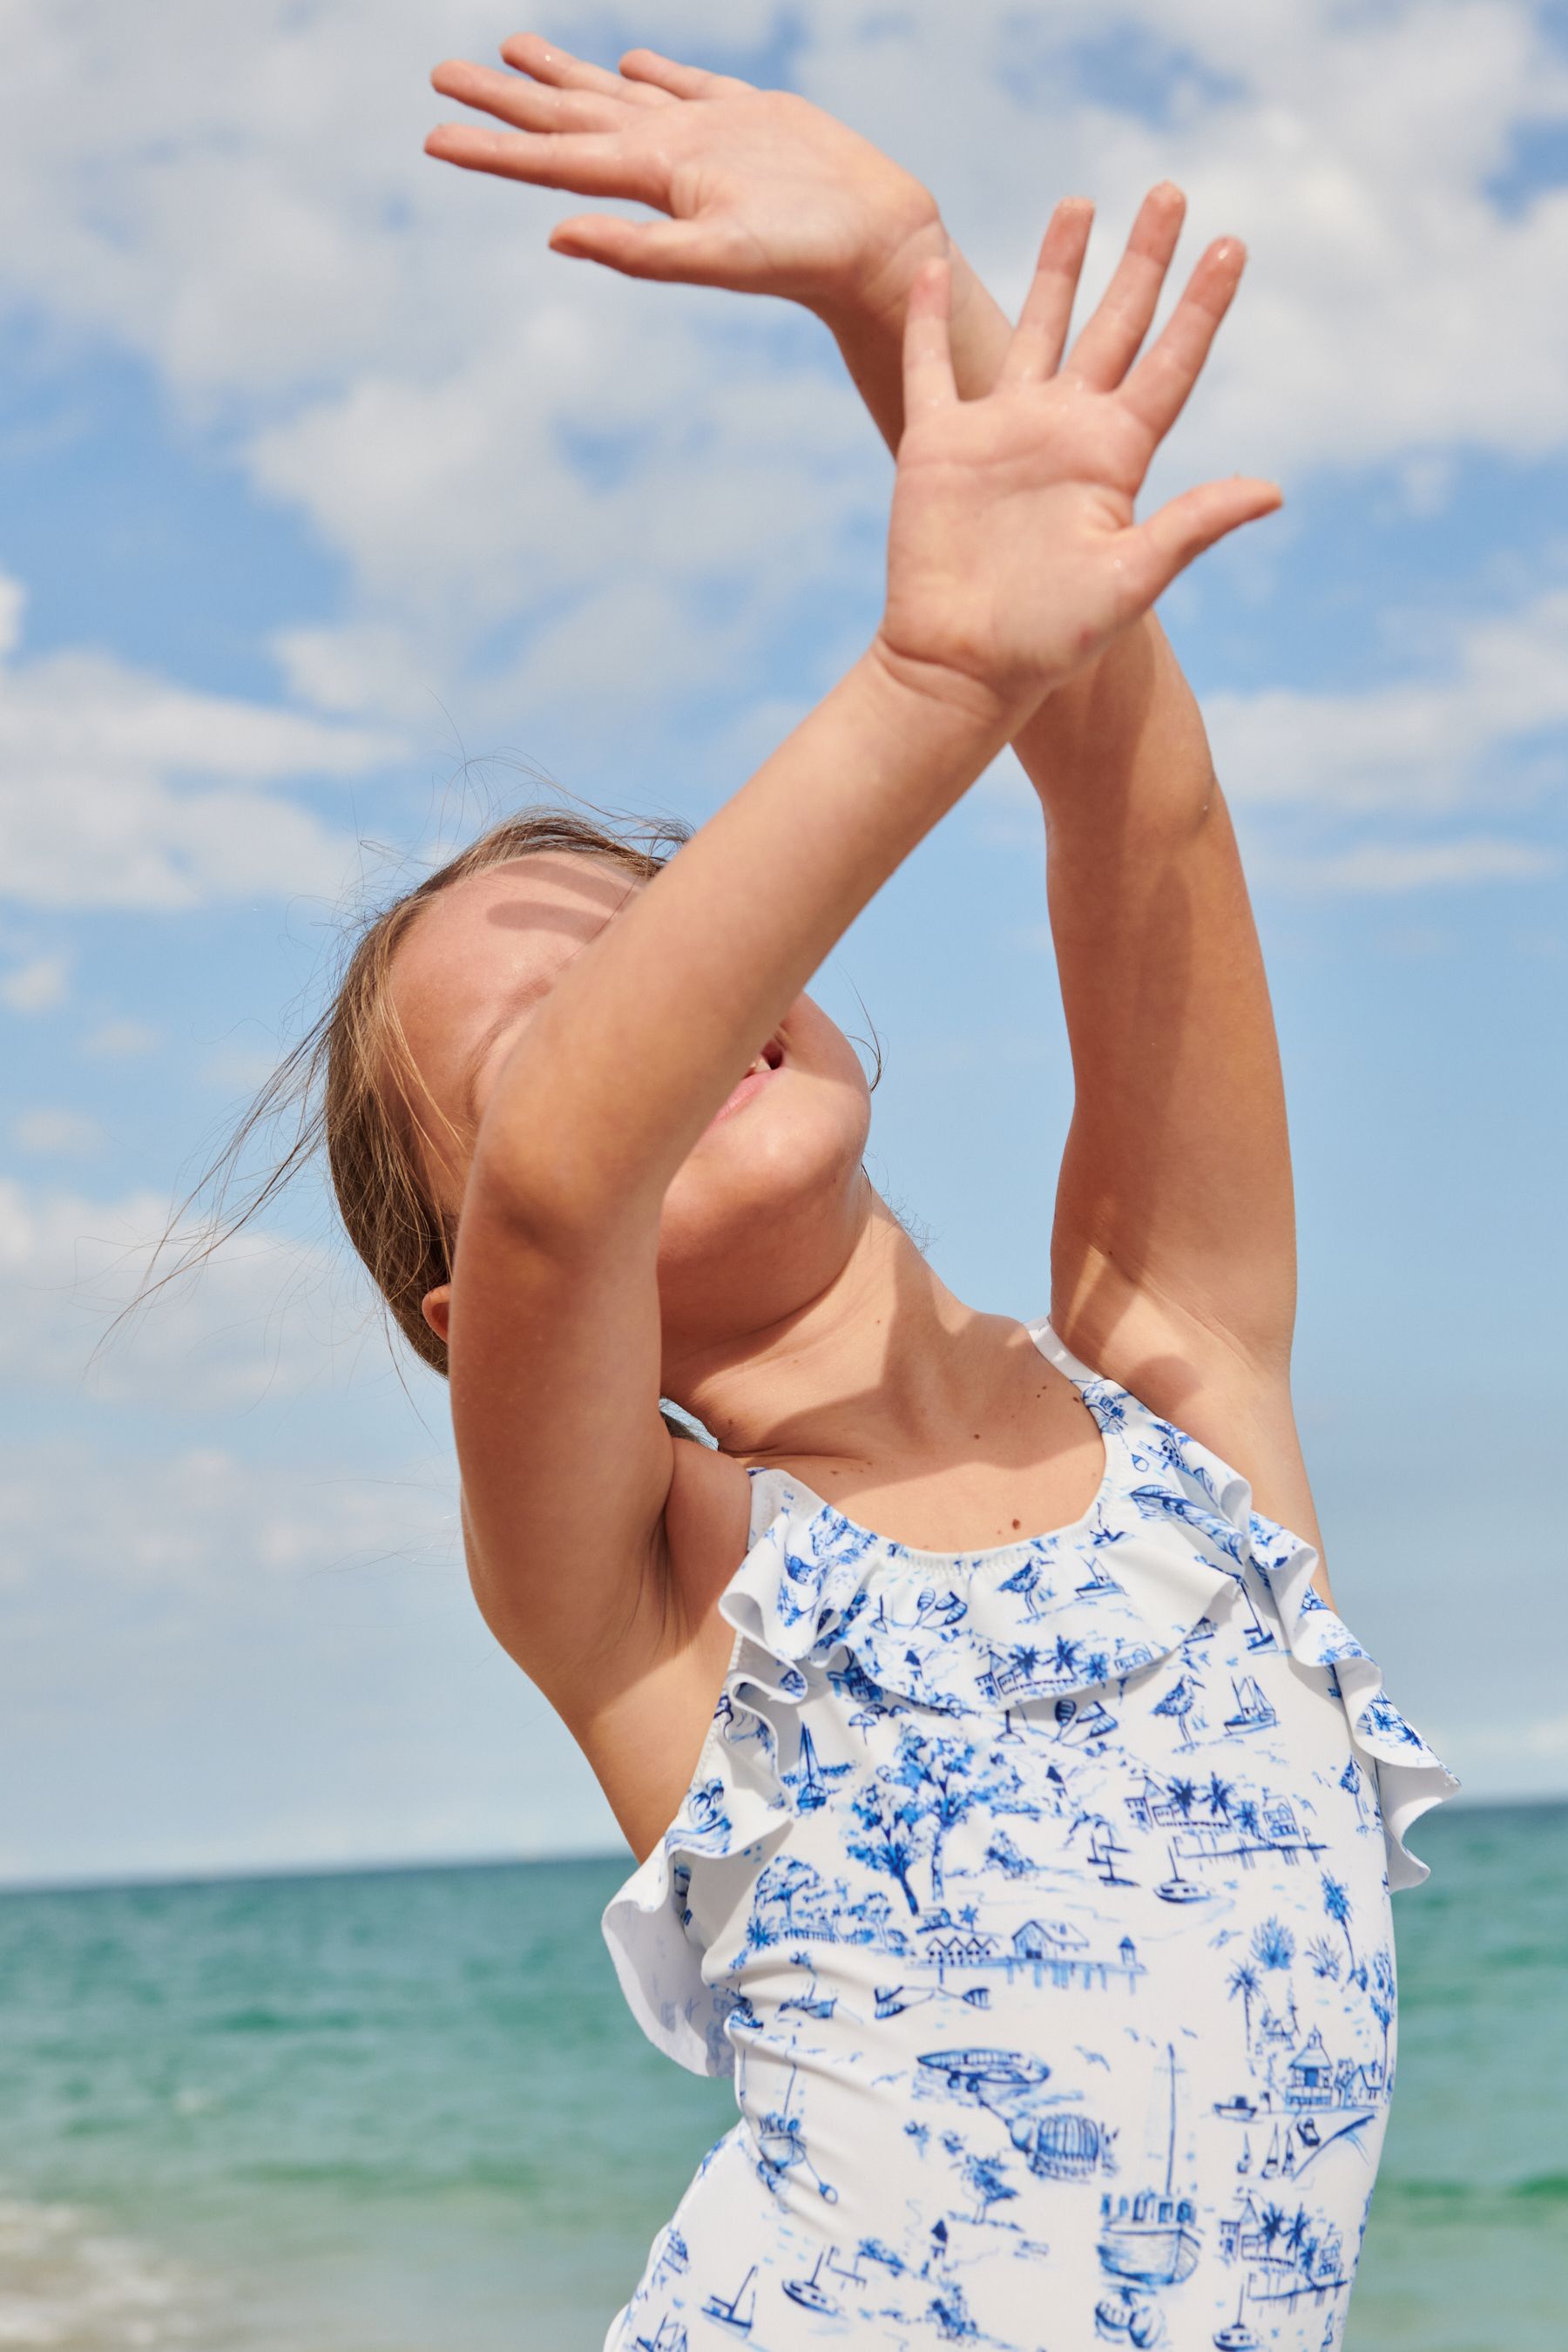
(869, 293)
(970, 708)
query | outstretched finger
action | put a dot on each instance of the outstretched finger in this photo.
(531, 52)
(651, 67)
(1109, 343)
(1181, 531)
(526, 105)
(928, 346)
(582, 164)
(1041, 333)
(1158, 387)
(683, 251)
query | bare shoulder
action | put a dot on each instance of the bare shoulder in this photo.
(1237, 1402)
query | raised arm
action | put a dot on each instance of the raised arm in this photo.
(1174, 1242)
(1012, 560)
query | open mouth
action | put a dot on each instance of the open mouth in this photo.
(765, 1065)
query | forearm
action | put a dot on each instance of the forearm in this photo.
(645, 1035)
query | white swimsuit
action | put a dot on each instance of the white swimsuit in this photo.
(1038, 1899)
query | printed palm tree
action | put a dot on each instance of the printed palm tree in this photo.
(1339, 1906)
(1183, 1793)
(1271, 2223)
(985, 2177)
(1065, 1658)
(1273, 1945)
(1380, 1993)
(1178, 1702)
(1247, 1817)
(1244, 1980)
(1218, 1795)
(1296, 2239)
(1096, 1666)
(894, 1832)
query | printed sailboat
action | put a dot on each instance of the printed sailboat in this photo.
(810, 2293)
(671, 2338)
(1237, 2336)
(1151, 2239)
(739, 2310)
(1177, 1889)
(1253, 1711)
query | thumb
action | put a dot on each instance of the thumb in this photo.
(1179, 531)
(680, 250)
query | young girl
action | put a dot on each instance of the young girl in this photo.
(1015, 1817)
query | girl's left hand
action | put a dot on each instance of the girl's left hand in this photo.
(765, 194)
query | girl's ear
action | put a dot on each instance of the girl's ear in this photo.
(436, 1309)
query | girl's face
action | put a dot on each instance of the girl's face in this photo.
(765, 1208)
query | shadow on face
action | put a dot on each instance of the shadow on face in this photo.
(764, 1211)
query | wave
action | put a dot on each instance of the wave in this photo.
(69, 2281)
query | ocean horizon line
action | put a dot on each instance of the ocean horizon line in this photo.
(410, 1866)
(287, 1873)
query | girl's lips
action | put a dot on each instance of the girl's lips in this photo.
(750, 1085)
(768, 1063)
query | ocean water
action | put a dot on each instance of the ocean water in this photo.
(405, 2111)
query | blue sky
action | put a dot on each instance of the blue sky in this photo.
(332, 506)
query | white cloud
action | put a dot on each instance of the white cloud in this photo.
(39, 985)
(1415, 745)
(13, 604)
(123, 1040)
(53, 1133)
(387, 345)
(119, 788)
(204, 1515)
(267, 1316)
(1394, 867)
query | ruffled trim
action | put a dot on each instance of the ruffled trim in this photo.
(1166, 1546)
(1411, 1776)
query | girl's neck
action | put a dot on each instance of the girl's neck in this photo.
(877, 1368)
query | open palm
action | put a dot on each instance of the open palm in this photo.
(1014, 556)
(765, 193)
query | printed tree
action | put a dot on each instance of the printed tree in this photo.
(1339, 1908)
(1028, 1581)
(946, 1781)
(1271, 2222)
(1178, 1702)
(1324, 1959)
(892, 1831)
(1273, 1945)
(1064, 1658)
(1297, 2239)
(1380, 1993)
(1218, 1796)
(985, 2177)
(1244, 1980)
(1183, 1793)
(1247, 1817)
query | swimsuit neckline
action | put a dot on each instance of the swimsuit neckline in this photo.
(917, 1555)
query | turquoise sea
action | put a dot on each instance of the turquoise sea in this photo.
(405, 2111)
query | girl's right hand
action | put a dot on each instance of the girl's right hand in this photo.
(1012, 556)
(765, 194)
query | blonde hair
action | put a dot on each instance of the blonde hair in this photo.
(350, 1083)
